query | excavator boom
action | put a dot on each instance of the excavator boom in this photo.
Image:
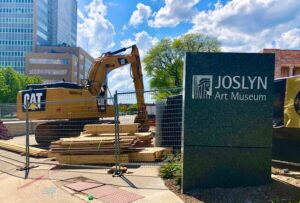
(111, 61)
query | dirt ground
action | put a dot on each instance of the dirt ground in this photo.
(285, 188)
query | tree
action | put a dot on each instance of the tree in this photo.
(11, 82)
(132, 109)
(164, 62)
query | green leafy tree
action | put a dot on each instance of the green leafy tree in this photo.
(11, 82)
(132, 109)
(123, 108)
(164, 62)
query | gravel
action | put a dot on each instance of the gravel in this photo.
(285, 187)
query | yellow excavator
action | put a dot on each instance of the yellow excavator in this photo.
(70, 106)
(286, 119)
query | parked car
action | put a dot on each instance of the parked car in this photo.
(151, 119)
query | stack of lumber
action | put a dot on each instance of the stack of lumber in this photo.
(148, 154)
(90, 145)
(36, 152)
(97, 144)
(4, 134)
(108, 130)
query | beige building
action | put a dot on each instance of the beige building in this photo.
(54, 64)
(287, 62)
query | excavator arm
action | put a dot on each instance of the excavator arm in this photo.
(112, 60)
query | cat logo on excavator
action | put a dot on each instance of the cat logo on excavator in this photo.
(34, 100)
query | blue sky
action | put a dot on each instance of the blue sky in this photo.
(240, 25)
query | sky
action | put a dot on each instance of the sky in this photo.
(239, 25)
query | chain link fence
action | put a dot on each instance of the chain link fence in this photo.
(100, 133)
(164, 115)
(8, 111)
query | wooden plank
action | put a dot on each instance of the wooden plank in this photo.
(96, 139)
(145, 136)
(148, 154)
(90, 159)
(89, 143)
(167, 151)
(78, 146)
(92, 141)
(22, 149)
(83, 134)
(110, 128)
(142, 144)
(90, 152)
(101, 136)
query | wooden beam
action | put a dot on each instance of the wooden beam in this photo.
(145, 136)
(110, 128)
(149, 154)
(90, 159)
(83, 134)
(22, 149)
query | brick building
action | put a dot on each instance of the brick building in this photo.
(287, 62)
(54, 64)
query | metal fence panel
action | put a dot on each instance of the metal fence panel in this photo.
(62, 131)
(66, 119)
(164, 109)
(8, 111)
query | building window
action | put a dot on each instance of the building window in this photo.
(47, 72)
(87, 67)
(296, 70)
(285, 71)
(81, 57)
(81, 67)
(48, 61)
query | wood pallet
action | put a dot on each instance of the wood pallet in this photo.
(33, 151)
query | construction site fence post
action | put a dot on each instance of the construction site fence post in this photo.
(27, 161)
(117, 135)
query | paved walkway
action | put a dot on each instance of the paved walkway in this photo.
(46, 184)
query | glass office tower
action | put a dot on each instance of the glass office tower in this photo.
(43, 22)
(64, 22)
(16, 31)
(27, 23)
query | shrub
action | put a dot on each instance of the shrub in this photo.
(172, 168)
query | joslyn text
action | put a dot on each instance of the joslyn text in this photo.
(244, 83)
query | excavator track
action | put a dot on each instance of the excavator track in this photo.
(47, 132)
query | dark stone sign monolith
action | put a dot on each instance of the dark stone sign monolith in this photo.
(227, 131)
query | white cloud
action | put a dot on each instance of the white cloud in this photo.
(143, 41)
(290, 39)
(174, 12)
(95, 33)
(251, 25)
(142, 12)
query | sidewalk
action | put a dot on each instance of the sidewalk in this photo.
(46, 185)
